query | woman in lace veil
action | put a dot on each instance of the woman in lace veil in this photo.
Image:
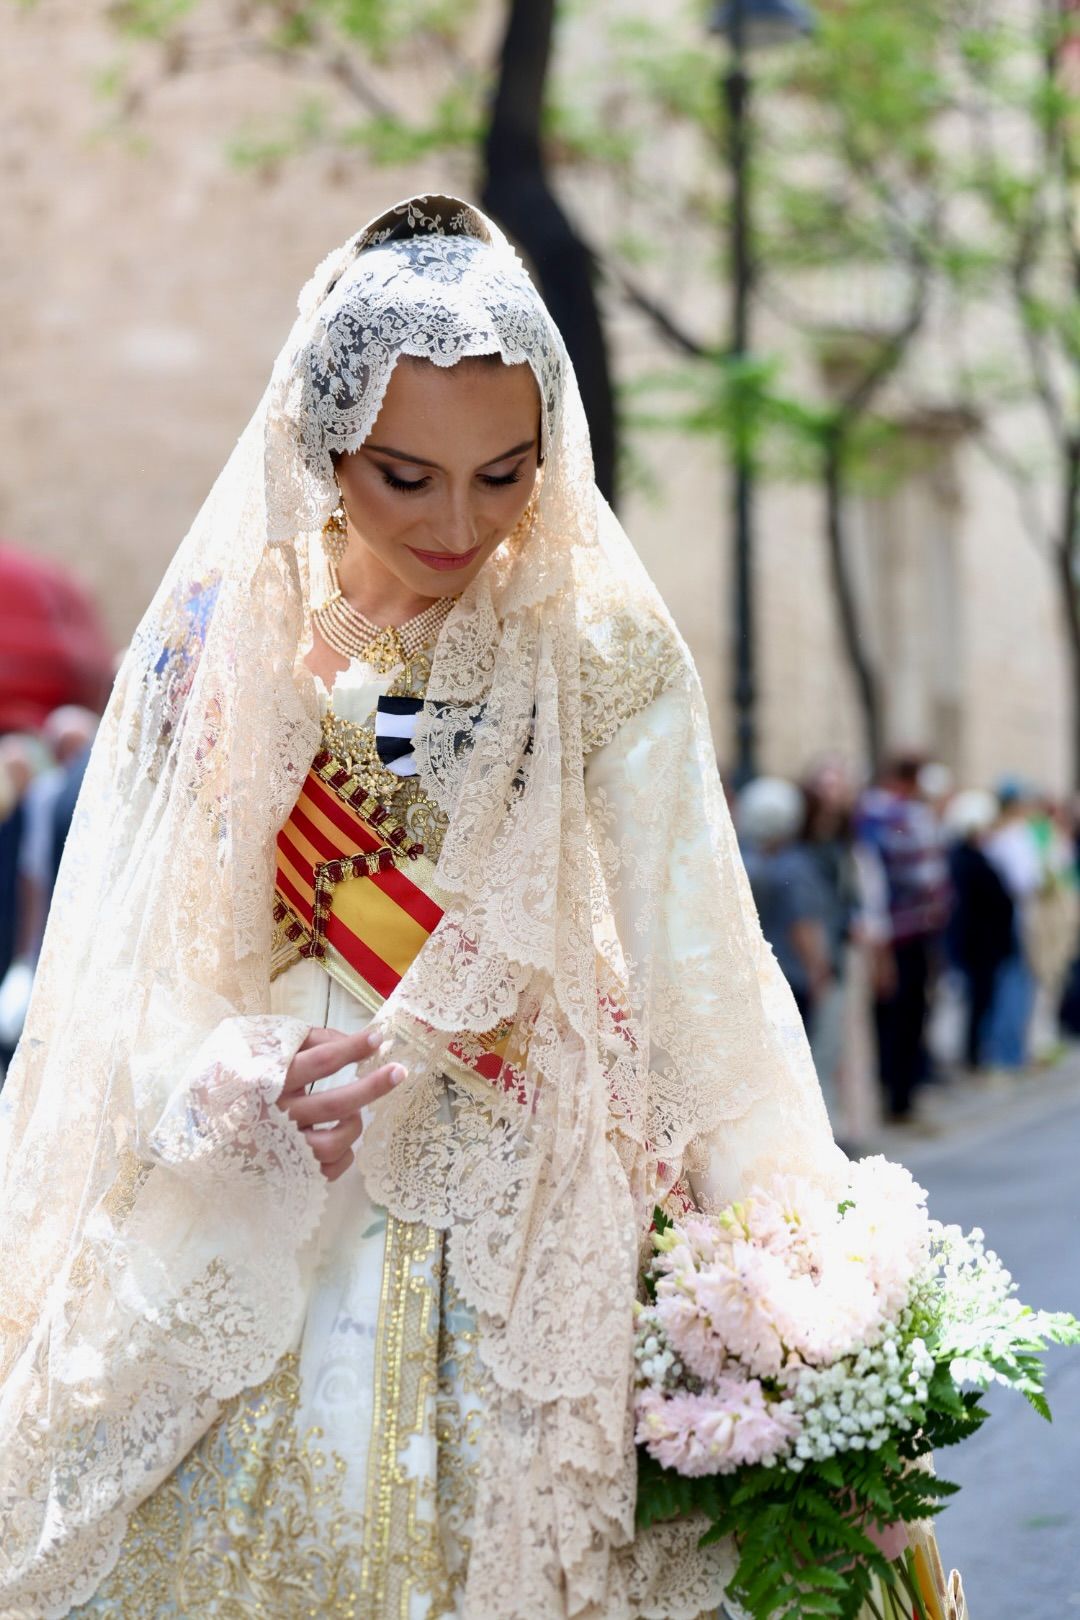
(249, 1368)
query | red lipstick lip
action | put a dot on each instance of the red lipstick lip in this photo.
(445, 559)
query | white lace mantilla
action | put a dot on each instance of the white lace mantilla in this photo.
(156, 1207)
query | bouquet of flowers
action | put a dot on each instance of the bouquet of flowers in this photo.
(798, 1359)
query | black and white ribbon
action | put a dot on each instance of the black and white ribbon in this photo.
(395, 727)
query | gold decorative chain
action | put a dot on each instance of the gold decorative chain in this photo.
(354, 745)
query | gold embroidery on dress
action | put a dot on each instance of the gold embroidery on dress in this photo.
(459, 1426)
(402, 1548)
(117, 1204)
(255, 1521)
(627, 660)
(258, 1518)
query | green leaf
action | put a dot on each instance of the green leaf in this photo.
(1036, 1399)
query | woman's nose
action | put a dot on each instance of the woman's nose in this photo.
(458, 529)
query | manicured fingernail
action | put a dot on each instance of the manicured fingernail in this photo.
(398, 1073)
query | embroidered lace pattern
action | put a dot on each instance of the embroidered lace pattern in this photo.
(255, 1521)
(147, 1035)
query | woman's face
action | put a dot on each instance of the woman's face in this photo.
(446, 471)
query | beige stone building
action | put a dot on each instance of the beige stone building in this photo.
(146, 283)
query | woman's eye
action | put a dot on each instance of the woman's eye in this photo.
(403, 483)
(507, 478)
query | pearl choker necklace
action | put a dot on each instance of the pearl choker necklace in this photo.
(353, 635)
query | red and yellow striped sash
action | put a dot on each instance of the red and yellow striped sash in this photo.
(354, 892)
(348, 873)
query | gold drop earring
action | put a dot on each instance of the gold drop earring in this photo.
(525, 522)
(335, 534)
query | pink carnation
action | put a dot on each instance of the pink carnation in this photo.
(784, 1274)
(719, 1308)
(717, 1433)
(823, 1317)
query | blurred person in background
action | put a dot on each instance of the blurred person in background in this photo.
(19, 760)
(840, 1032)
(68, 733)
(1051, 925)
(828, 837)
(981, 931)
(901, 849)
(30, 848)
(792, 900)
(1069, 1009)
(16, 774)
(1013, 851)
(937, 785)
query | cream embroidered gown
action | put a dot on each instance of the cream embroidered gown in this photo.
(342, 1486)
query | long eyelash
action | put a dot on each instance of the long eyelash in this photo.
(404, 483)
(421, 483)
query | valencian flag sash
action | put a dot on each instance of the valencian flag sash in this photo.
(356, 893)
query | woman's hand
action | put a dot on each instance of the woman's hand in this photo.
(331, 1119)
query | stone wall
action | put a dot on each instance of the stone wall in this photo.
(146, 284)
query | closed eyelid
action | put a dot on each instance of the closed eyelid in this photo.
(517, 454)
(411, 475)
(406, 471)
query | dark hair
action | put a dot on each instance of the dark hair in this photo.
(823, 824)
(905, 768)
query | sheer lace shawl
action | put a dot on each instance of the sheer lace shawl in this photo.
(157, 1209)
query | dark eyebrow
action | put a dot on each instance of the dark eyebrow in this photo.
(419, 461)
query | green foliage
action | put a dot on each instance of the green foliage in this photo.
(150, 19)
(661, 1223)
(737, 398)
(260, 150)
(454, 122)
(382, 29)
(801, 1537)
(346, 43)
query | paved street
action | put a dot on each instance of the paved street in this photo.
(1010, 1165)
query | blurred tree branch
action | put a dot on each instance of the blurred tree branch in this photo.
(1022, 106)
(518, 193)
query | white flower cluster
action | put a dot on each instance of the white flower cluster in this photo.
(658, 1367)
(858, 1402)
(981, 1318)
(975, 1283)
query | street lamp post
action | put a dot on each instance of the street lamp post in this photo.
(747, 25)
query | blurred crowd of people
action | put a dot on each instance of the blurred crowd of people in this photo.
(923, 930)
(41, 772)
